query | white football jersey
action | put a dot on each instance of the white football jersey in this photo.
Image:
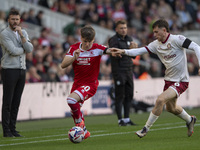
(173, 56)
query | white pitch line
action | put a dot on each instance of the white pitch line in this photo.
(61, 139)
(49, 136)
(29, 138)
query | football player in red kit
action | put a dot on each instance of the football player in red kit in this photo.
(85, 58)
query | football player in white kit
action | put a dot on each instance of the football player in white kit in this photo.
(170, 50)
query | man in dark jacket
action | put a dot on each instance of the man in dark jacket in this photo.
(122, 73)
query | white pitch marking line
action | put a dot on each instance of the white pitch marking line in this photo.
(61, 139)
(29, 138)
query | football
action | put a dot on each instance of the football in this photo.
(76, 134)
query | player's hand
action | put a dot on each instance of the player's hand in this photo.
(116, 52)
(77, 53)
(133, 45)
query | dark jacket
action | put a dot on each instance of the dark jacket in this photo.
(120, 64)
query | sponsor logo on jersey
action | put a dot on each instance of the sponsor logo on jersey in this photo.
(83, 61)
(181, 37)
(169, 56)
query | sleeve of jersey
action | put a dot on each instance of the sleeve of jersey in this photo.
(196, 48)
(103, 47)
(136, 51)
(181, 41)
(70, 52)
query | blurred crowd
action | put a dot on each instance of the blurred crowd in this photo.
(43, 65)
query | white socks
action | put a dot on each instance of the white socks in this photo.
(152, 118)
(185, 116)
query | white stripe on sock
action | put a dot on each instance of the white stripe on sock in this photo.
(71, 100)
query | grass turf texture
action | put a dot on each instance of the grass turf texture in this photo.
(168, 133)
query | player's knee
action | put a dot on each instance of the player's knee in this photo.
(71, 100)
(160, 101)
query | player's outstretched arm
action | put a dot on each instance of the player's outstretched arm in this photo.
(69, 60)
(129, 52)
(116, 52)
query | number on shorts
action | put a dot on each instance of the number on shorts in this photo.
(177, 84)
(86, 88)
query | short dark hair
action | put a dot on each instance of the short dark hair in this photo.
(161, 23)
(13, 12)
(88, 33)
(120, 22)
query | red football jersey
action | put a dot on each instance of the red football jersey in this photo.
(86, 67)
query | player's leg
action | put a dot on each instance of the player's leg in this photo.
(177, 110)
(172, 107)
(73, 101)
(162, 99)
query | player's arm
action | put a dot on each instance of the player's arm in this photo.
(128, 52)
(107, 51)
(68, 60)
(193, 46)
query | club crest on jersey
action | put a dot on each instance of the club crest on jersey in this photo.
(169, 46)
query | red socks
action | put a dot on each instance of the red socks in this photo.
(75, 110)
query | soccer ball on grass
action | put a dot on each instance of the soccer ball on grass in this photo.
(76, 134)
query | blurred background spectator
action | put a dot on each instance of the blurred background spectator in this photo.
(3, 23)
(43, 63)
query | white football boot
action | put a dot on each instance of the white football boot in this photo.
(141, 133)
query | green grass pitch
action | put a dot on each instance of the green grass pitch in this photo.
(168, 133)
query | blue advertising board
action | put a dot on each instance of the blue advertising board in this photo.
(101, 99)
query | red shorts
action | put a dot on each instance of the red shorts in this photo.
(178, 87)
(84, 91)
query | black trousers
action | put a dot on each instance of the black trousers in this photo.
(124, 88)
(13, 86)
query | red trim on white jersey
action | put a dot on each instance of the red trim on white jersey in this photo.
(166, 39)
(148, 49)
